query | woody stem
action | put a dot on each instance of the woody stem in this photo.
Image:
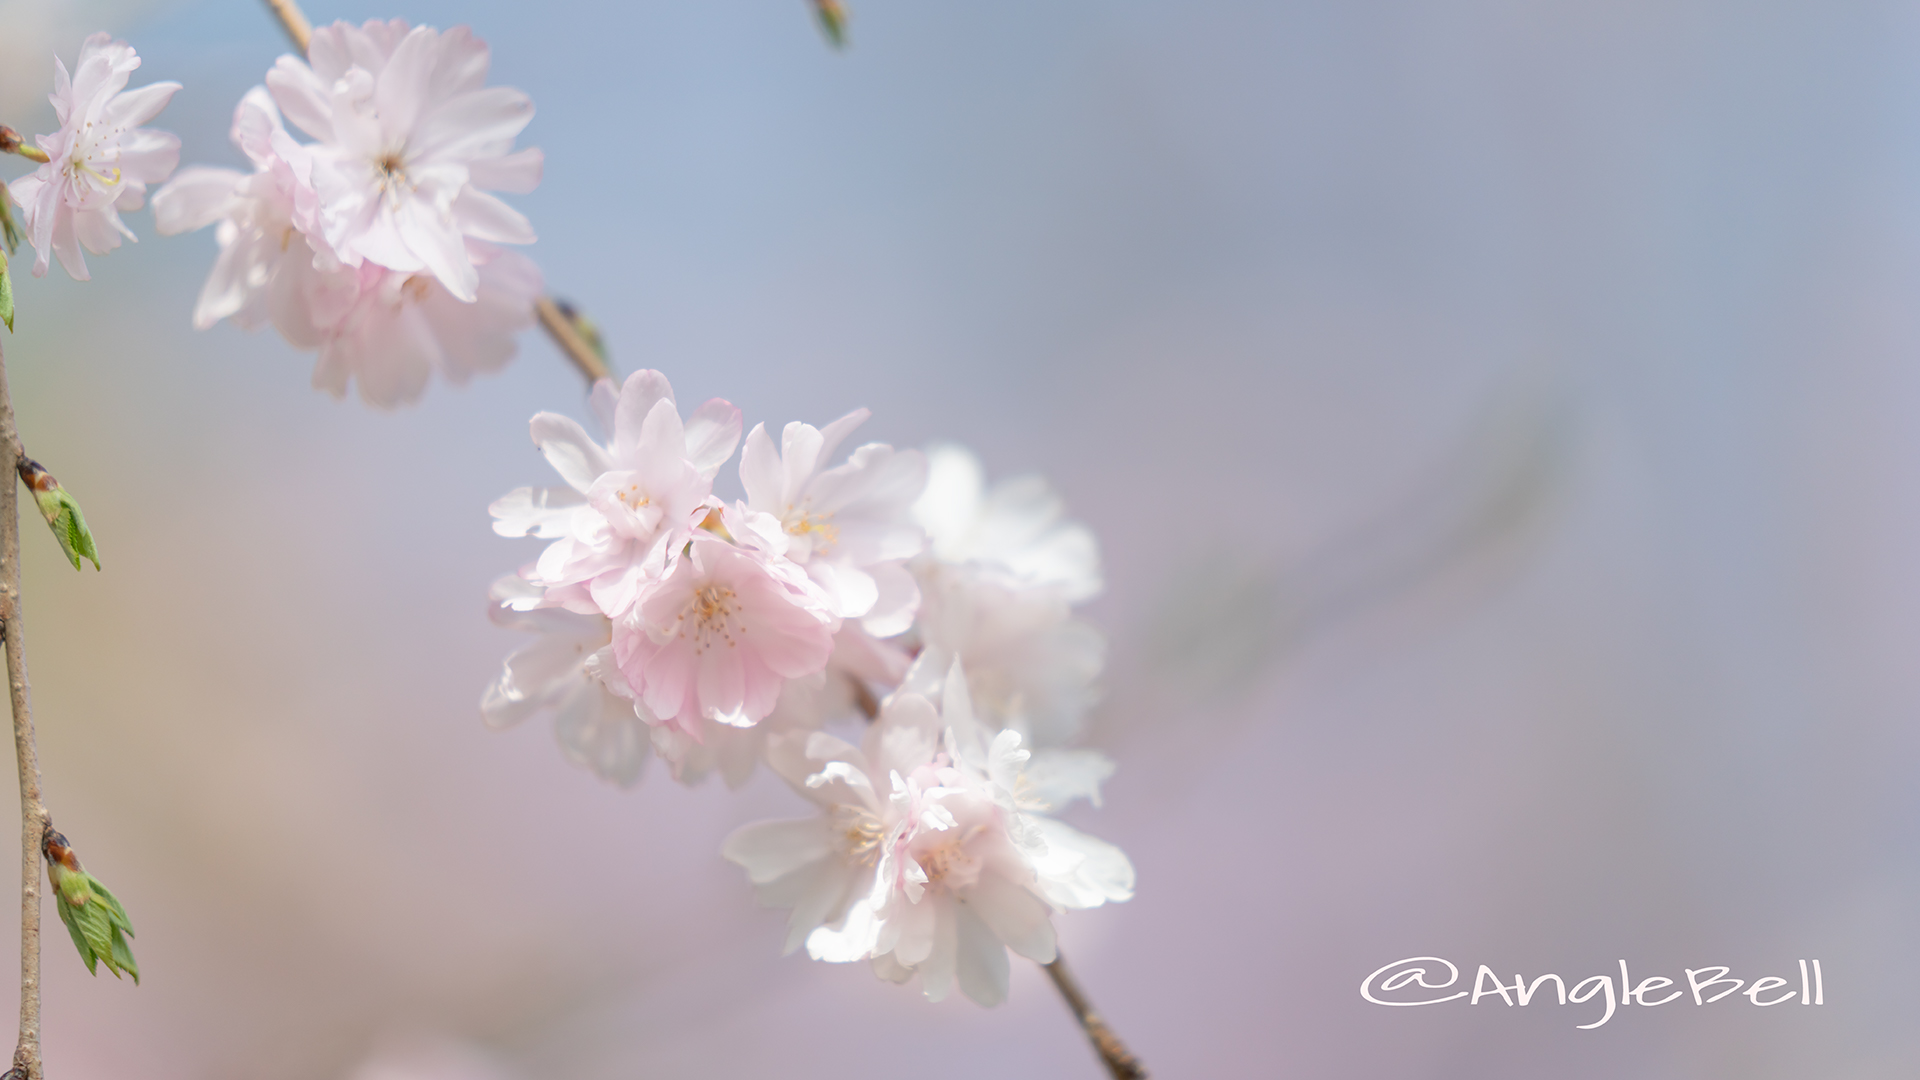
(33, 813)
(1121, 1064)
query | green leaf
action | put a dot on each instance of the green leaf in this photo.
(6, 294)
(73, 928)
(68, 524)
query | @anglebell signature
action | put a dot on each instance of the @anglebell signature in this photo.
(1407, 982)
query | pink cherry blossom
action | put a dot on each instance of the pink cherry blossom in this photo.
(719, 636)
(627, 508)
(99, 162)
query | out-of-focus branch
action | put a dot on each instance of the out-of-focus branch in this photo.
(555, 321)
(1113, 1053)
(294, 22)
(33, 813)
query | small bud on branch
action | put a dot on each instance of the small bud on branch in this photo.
(62, 513)
(93, 915)
(12, 143)
(833, 21)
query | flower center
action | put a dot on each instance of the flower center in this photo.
(860, 831)
(949, 864)
(81, 163)
(632, 496)
(392, 178)
(711, 611)
(819, 526)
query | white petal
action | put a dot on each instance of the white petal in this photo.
(196, 198)
(1015, 916)
(980, 959)
(569, 449)
(483, 217)
(516, 174)
(542, 512)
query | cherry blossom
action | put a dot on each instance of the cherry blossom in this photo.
(930, 855)
(1015, 532)
(99, 162)
(408, 136)
(719, 635)
(375, 245)
(627, 508)
(568, 670)
(851, 526)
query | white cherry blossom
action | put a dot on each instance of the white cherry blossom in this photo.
(408, 136)
(1016, 532)
(99, 162)
(930, 855)
(568, 670)
(851, 525)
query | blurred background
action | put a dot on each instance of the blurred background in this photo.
(1499, 420)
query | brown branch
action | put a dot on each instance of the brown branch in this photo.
(1113, 1053)
(33, 813)
(294, 22)
(564, 334)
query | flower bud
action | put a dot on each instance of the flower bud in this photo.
(62, 514)
(93, 915)
(833, 20)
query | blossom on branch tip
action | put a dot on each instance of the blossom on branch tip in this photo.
(99, 162)
(931, 855)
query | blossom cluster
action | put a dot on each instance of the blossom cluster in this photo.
(893, 587)
(378, 243)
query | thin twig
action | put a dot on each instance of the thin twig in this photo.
(1113, 1053)
(562, 331)
(33, 813)
(294, 22)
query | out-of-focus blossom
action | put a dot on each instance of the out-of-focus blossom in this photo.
(628, 507)
(929, 856)
(265, 269)
(569, 670)
(1016, 533)
(99, 162)
(375, 245)
(408, 136)
(401, 328)
(718, 637)
(851, 526)
(1031, 666)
